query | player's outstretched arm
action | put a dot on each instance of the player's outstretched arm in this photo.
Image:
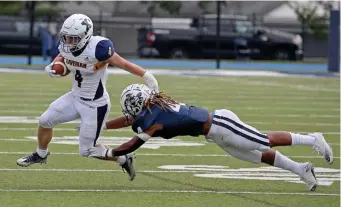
(132, 68)
(118, 123)
(105, 52)
(137, 141)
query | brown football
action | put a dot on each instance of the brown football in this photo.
(60, 67)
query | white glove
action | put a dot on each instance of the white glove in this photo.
(98, 152)
(151, 81)
(50, 72)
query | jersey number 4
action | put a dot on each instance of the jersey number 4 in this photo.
(78, 78)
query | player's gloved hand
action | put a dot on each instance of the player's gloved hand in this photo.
(151, 82)
(50, 72)
(98, 152)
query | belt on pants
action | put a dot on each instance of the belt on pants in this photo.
(88, 99)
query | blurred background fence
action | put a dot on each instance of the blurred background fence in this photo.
(121, 20)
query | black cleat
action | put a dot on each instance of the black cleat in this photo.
(31, 159)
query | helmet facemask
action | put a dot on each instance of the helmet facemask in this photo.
(69, 43)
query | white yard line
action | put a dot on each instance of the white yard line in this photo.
(129, 130)
(44, 96)
(234, 172)
(34, 120)
(331, 116)
(58, 129)
(158, 154)
(170, 191)
(259, 100)
(178, 91)
(249, 108)
(285, 85)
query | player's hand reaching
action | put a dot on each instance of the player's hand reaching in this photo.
(50, 72)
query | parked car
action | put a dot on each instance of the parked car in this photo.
(197, 39)
(15, 38)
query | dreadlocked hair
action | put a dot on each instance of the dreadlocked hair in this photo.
(162, 100)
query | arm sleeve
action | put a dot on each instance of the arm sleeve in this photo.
(104, 50)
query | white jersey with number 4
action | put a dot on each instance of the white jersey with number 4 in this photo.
(88, 69)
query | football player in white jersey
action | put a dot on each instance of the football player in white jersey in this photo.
(87, 57)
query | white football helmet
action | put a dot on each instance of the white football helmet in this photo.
(133, 98)
(75, 32)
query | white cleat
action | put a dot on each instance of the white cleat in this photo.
(321, 146)
(129, 166)
(308, 176)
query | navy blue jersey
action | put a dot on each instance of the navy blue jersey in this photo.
(180, 120)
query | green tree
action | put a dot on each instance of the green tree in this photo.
(311, 22)
(172, 7)
(203, 5)
(15, 8)
(10, 7)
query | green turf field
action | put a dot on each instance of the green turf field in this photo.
(182, 172)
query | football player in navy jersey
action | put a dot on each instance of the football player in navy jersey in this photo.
(153, 114)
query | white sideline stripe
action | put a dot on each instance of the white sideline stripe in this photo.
(218, 73)
(32, 140)
(36, 112)
(59, 129)
(157, 154)
(97, 170)
(177, 89)
(169, 191)
(129, 130)
(45, 96)
(227, 172)
(335, 102)
(293, 123)
(179, 93)
(292, 86)
(251, 108)
(34, 120)
(293, 115)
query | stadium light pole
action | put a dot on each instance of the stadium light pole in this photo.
(218, 36)
(31, 9)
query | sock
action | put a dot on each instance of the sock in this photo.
(42, 152)
(286, 163)
(299, 139)
(121, 159)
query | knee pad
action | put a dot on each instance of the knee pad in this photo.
(84, 152)
(84, 147)
(45, 120)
